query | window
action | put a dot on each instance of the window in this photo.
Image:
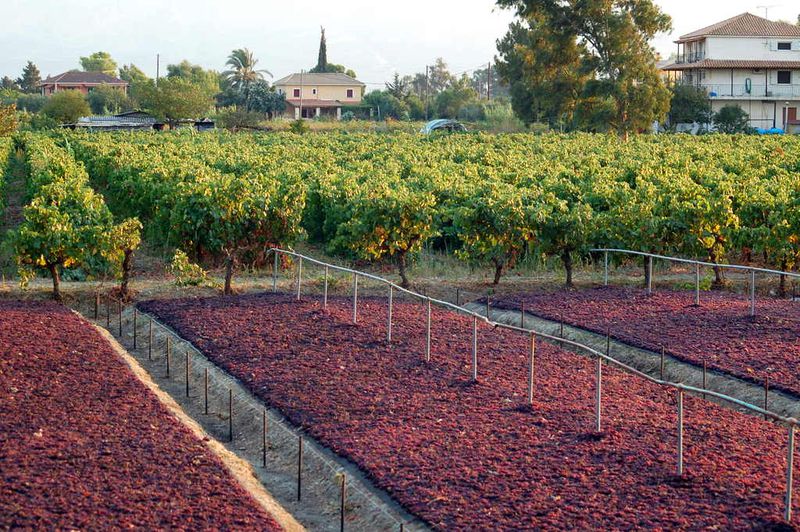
(784, 77)
(784, 46)
(314, 91)
(349, 93)
(296, 93)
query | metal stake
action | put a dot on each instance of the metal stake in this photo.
(299, 466)
(205, 391)
(531, 368)
(389, 318)
(649, 275)
(752, 293)
(275, 273)
(299, 275)
(108, 312)
(488, 306)
(96, 303)
(355, 298)
(264, 439)
(230, 414)
(697, 285)
(428, 334)
(561, 326)
(605, 269)
(662, 362)
(187, 373)
(474, 348)
(598, 395)
(705, 371)
(135, 320)
(522, 316)
(680, 432)
(325, 291)
(789, 472)
(169, 354)
(344, 501)
(766, 395)
(150, 343)
(119, 313)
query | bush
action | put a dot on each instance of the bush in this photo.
(235, 118)
(66, 107)
(732, 119)
(186, 273)
(31, 103)
(299, 126)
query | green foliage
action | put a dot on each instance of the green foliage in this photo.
(689, 104)
(106, 99)
(187, 273)
(388, 105)
(99, 62)
(207, 80)
(8, 120)
(177, 99)
(31, 103)
(597, 50)
(299, 127)
(66, 107)
(235, 118)
(450, 101)
(30, 79)
(732, 119)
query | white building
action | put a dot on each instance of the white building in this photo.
(748, 61)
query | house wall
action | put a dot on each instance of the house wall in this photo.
(733, 83)
(324, 92)
(754, 48)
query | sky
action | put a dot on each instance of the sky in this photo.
(373, 37)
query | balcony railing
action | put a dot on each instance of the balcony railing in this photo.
(740, 90)
(693, 57)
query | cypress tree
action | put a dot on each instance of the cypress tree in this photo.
(322, 61)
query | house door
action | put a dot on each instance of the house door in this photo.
(791, 114)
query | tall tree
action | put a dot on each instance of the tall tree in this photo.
(8, 83)
(99, 62)
(243, 73)
(31, 78)
(208, 79)
(614, 42)
(398, 87)
(322, 57)
(176, 99)
(543, 71)
(132, 74)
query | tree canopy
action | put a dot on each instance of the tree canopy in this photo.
(604, 44)
(99, 62)
(31, 78)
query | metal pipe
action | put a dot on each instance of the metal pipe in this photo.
(389, 318)
(605, 269)
(325, 291)
(531, 368)
(697, 285)
(564, 342)
(299, 276)
(150, 343)
(275, 274)
(187, 373)
(355, 298)
(342, 505)
(789, 473)
(230, 414)
(135, 320)
(428, 334)
(680, 432)
(299, 466)
(752, 293)
(474, 349)
(598, 395)
(264, 438)
(649, 275)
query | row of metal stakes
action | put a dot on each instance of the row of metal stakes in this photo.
(187, 366)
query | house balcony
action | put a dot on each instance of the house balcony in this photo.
(740, 91)
(693, 57)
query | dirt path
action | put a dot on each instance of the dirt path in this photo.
(367, 508)
(650, 362)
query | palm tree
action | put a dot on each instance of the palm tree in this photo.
(243, 71)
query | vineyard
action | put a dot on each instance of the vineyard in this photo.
(490, 200)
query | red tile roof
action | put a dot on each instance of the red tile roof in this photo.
(745, 25)
(89, 78)
(712, 64)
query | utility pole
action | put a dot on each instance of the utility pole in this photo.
(158, 67)
(302, 74)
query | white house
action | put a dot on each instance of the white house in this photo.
(748, 61)
(315, 95)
